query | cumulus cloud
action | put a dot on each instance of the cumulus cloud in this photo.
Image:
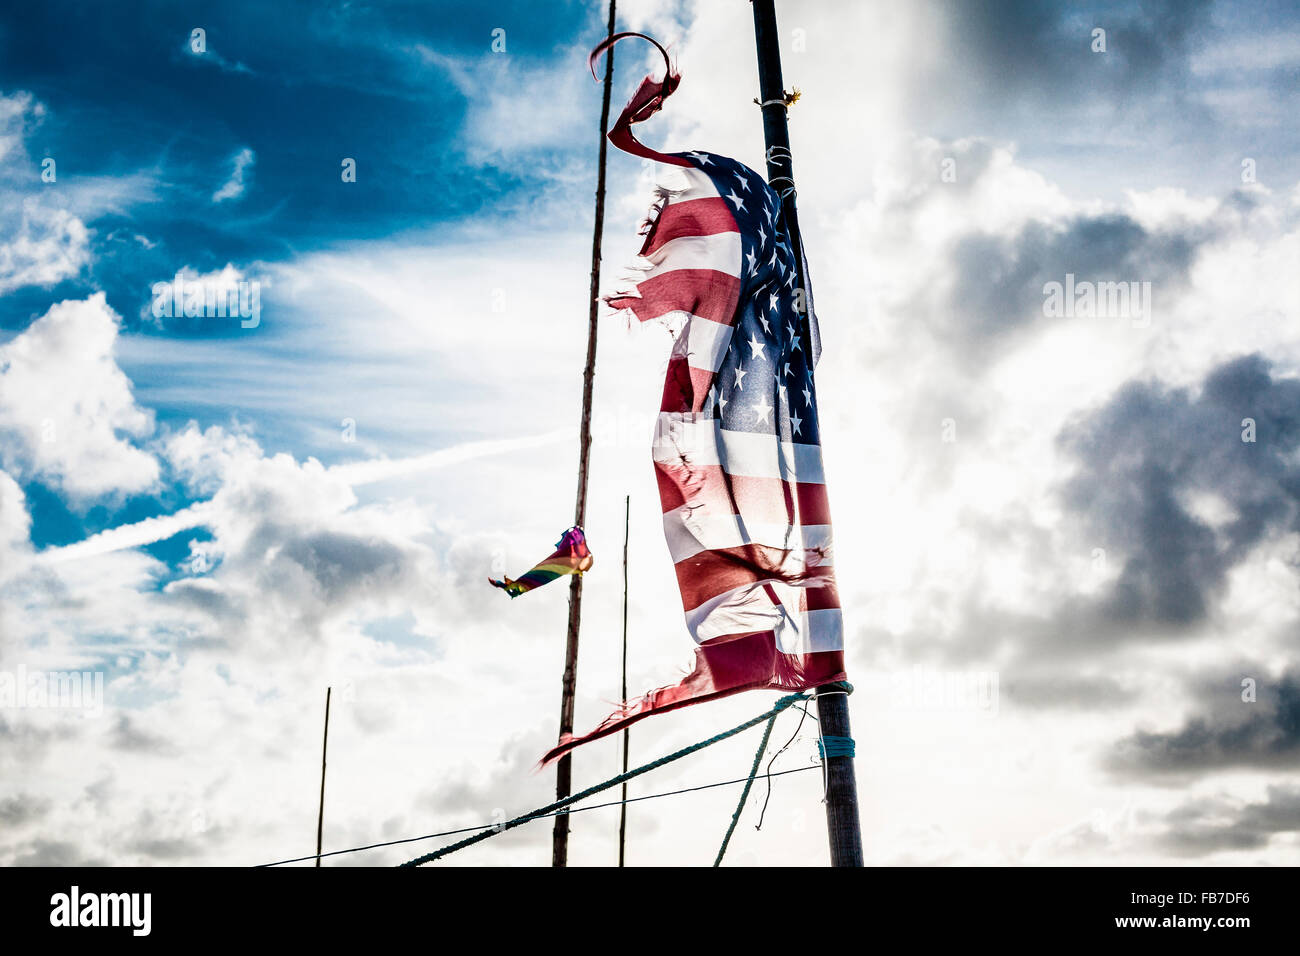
(46, 245)
(1070, 436)
(1184, 485)
(1222, 823)
(70, 407)
(1226, 733)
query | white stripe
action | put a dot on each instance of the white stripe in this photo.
(689, 534)
(703, 442)
(698, 185)
(749, 608)
(817, 631)
(738, 611)
(703, 343)
(719, 252)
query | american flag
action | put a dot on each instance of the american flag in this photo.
(737, 446)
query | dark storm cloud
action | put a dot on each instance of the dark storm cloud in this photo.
(1226, 733)
(1212, 825)
(1042, 50)
(19, 809)
(23, 741)
(52, 853)
(340, 564)
(127, 734)
(1148, 450)
(998, 281)
(1140, 461)
(1067, 692)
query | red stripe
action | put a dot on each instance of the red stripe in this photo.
(704, 576)
(820, 599)
(686, 389)
(722, 668)
(621, 136)
(703, 292)
(767, 500)
(693, 217)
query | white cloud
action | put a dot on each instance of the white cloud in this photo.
(508, 114)
(241, 171)
(381, 591)
(46, 246)
(64, 398)
(18, 112)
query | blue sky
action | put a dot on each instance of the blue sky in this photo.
(151, 131)
(225, 520)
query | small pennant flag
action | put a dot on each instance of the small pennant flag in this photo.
(572, 556)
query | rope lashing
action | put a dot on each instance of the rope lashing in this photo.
(835, 747)
(787, 99)
(550, 808)
(744, 794)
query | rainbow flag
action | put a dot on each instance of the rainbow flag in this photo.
(572, 556)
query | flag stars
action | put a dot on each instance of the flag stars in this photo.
(755, 346)
(737, 201)
(795, 422)
(752, 260)
(744, 181)
(772, 301)
(763, 409)
(701, 158)
(807, 398)
(766, 328)
(740, 378)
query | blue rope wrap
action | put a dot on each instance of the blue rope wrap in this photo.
(550, 808)
(835, 747)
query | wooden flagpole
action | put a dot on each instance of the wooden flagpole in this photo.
(622, 811)
(842, 825)
(324, 749)
(564, 767)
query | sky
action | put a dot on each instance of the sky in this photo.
(1067, 540)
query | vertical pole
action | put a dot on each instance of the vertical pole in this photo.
(564, 768)
(843, 829)
(324, 749)
(622, 812)
(842, 824)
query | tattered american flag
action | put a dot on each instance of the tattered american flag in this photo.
(737, 448)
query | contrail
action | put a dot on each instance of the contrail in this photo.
(153, 530)
(148, 531)
(380, 469)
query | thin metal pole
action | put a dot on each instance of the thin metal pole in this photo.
(324, 749)
(622, 813)
(564, 768)
(842, 825)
